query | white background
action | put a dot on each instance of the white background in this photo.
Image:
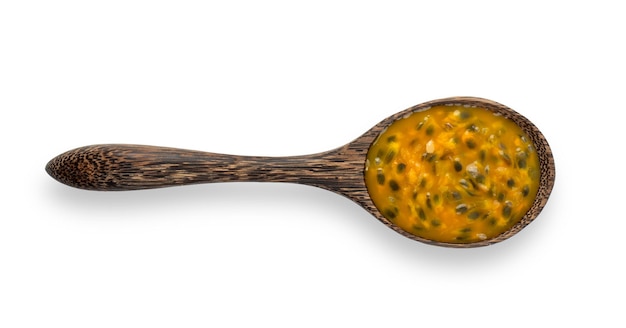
(290, 78)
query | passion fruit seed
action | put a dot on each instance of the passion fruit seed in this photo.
(394, 185)
(457, 165)
(380, 177)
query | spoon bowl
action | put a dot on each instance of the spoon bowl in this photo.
(118, 167)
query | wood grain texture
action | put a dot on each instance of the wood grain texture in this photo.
(133, 167)
(116, 167)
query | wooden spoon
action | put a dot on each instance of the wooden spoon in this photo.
(132, 167)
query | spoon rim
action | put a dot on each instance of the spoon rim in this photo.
(546, 165)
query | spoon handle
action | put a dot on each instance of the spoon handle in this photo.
(132, 167)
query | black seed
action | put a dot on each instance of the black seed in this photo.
(390, 156)
(380, 153)
(492, 221)
(461, 208)
(391, 213)
(472, 128)
(505, 157)
(429, 130)
(429, 203)
(500, 196)
(469, 192)
(465, 115)
(457, 166)
(418, 228)
(506, 210)
(473, 215)
(525, 191)
(510, 183)
(455, 195)
(420, 125)
(380, 177)
(435, 222)
(394, 185)
(400, 168)
(480, 178)
(474, 184)
(483, 155)
(423, 183)
(391, 139)
(429, 157)
(421, 214)
(446, 155)
(466, 230)
(436, 198)
(471, 144)
(521, 163)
